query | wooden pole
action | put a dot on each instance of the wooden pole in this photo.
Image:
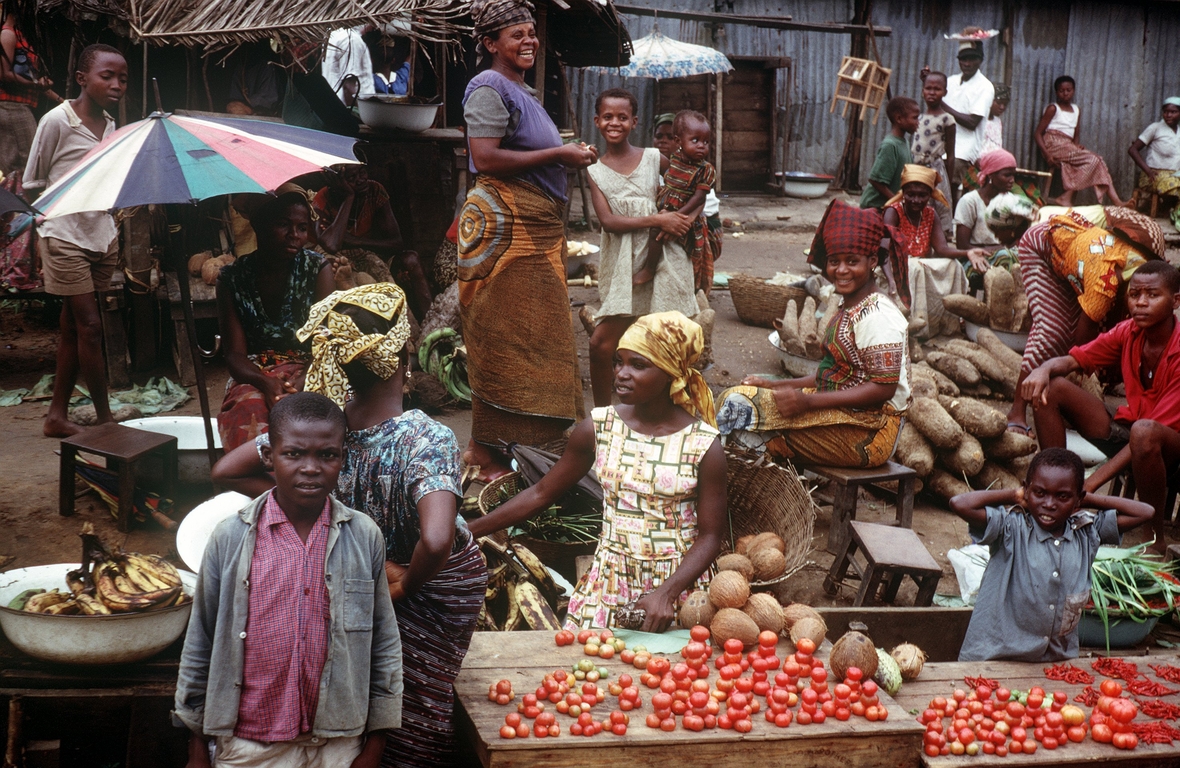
(144, 112)
(720, 122)
(848, 174)
(542, 48)
(13, 752)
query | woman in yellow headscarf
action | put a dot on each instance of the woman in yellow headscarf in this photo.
(922, 267)
(401, 468)
(662, 471)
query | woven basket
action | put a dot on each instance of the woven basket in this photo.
(560, 556)
(758, 302)
(764, 496)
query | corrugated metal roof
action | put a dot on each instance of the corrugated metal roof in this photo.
(1122, 56)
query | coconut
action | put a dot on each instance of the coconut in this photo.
(796, 611)
(765, 540)
(732, 623)
(910, 659)
(742, 543)
(812, 628)
(888, 675)
(765, 611)
(739, 563)
(768, 563)
(696, 610)
(729, 589)
(854, 649)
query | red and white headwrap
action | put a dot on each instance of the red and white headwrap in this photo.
(845, 229)
(996, 160)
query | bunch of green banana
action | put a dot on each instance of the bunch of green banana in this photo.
(438, 355)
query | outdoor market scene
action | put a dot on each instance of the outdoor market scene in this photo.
(560, 382)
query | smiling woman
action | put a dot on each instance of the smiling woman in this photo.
(522, 365)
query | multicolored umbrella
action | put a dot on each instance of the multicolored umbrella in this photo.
(174, 159)
(662, 57)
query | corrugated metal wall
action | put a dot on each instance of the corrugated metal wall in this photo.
(1122, 56)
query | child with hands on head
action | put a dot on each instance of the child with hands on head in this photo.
(1043, 544)
(624, 185)
(292, 655)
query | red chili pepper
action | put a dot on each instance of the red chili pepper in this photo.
(1088, 696)
(1155, 732)
(1160, 710)
(1111, 667)
(975, 682)
(1144, 687)
(1068, 673)
(1167, 672)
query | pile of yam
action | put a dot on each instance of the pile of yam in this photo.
(1005, 306)
(801, 329)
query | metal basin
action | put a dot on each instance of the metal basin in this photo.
(1016, 341)
(376, 112)
(797, 366)
(116, 639)
(192, 454)
(805, 185)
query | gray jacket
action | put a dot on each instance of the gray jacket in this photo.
(364, 647)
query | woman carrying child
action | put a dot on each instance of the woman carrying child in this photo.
(662, 471)
(1157, 153)
(922, 268)
(401, 468)
(849, 412)
(262, 298)
(1057, 135)
(623, 185)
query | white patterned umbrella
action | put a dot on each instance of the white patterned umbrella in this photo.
(662, 57)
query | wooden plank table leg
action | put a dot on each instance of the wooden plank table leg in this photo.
(869, 585)
(126, 495)
(927, 586)
(843, 511)
(65, 481)
(840, 567)
(905, 502)
(891, 586)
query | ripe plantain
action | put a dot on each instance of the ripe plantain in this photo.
(159, 569)
(42, 602)
(121, 602)
(536, 611)
(18, 603)
(537, 570)
(91, 606)
(68, 607)
(514, 611)
(76, 581)
(140, 578)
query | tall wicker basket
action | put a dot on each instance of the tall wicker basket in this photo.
(764, 496)
(758, 302)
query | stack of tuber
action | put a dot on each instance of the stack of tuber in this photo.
(801, 331)
(1005, 307)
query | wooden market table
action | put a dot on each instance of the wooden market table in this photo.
(526, 657)
(942, 678)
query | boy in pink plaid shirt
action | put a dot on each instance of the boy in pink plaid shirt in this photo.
(292, 619)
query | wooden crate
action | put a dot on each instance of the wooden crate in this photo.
(525, 657)
(862, 83)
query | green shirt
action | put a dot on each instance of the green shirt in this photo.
(892, 156)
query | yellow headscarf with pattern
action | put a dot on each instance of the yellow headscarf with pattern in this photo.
(912, 172)
(673, 343)
(336, 340)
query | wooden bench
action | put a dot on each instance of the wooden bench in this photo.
(890, 555)
(123, 447)
(845, 486)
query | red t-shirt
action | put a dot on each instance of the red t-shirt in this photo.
(1124, 344)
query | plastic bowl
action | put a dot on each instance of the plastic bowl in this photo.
(793, 364)
(116, 639)
(805, 185)
(1016, 341)
(397, 116)
(1124, 633)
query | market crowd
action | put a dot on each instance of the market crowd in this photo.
(334, 611)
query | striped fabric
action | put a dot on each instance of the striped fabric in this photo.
(436, 624)
(1052, 303)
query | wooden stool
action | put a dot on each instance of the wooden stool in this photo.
(890, 553)
(123, 446)
(845, 485)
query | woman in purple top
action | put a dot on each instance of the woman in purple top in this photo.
(521, 360)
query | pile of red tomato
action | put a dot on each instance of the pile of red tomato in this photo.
(1110, 722)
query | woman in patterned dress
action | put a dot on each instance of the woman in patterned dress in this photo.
(848, 413)
(401, 469)
(662, 471)
(261, 299)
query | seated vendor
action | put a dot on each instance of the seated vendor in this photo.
(1144, 434)
(847, 414)
(262, 299)
(922, 268)
(355, 220)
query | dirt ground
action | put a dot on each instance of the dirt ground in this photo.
(35, 534)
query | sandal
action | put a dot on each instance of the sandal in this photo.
(1015, 425)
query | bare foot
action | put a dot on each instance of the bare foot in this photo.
(644, 275)
(54, 427)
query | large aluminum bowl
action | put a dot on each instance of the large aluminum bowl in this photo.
(115, 639)
(799, 367)
(805, 185)
(376, 112)
(1015, 341)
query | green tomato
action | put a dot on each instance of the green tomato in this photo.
(579, 675)
(603, 673)
(640, 649)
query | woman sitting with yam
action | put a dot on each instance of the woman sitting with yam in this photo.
(847, 414)
(1074, 272)
(262, 299)
(662, 471)
(922, 268)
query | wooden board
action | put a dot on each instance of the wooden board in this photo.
(525, 657)
(941, 679)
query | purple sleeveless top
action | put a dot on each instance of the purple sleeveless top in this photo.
(535, 130)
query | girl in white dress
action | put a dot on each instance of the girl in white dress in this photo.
(623, 186)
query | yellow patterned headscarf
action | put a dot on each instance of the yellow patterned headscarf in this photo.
(673, 343)
(912, 172)
(337, 341)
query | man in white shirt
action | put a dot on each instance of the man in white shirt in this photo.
(969, 100)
